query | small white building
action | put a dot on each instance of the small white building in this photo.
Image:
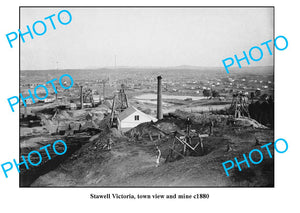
(49, 100)
(96, 99)
(72, 106)
(131, 117)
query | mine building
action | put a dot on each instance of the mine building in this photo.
(49, 100)
(72, 106)
(131, 117)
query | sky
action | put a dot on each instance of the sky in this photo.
(144, 37)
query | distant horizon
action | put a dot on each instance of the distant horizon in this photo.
(154, 67)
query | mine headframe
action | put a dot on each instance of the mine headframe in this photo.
(88, 96)
(104, 82)
(120, 103)
(114, 120)
(239, 104)
(123, 102)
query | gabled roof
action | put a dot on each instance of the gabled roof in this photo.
(127, 112)
(130, 110)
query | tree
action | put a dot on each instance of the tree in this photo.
(215, 94)
(206, 93)
(257, 92)
(264, 97)
(252, 95)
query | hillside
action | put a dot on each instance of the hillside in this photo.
(132, 160)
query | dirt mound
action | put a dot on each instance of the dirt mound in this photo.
(129, 163)
(201, 118)
(248, 122)
(89, 125)
(47, 123)
(101, 109)
(107, 103)
(78, 120)
(144, 130)
(114, 133)
(112, 159)
(167, 127)
(107, 133)
(78, 114)
(62, 115)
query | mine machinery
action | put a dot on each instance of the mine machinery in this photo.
(120, 103)
(86, 96)
(186, 143)
(104, 82)
(122, 98)
(114, 120)
(239, 104)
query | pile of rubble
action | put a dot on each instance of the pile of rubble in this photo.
(248, 122)
(70, 122)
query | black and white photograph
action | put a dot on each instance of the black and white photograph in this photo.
(147, 97)
(149, 106)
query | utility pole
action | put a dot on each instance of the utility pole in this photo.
(25, 112)
(81, 97)
(103, 82)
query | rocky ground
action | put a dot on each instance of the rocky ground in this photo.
(132, 159)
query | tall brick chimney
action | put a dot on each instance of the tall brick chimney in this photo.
(159, 99)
